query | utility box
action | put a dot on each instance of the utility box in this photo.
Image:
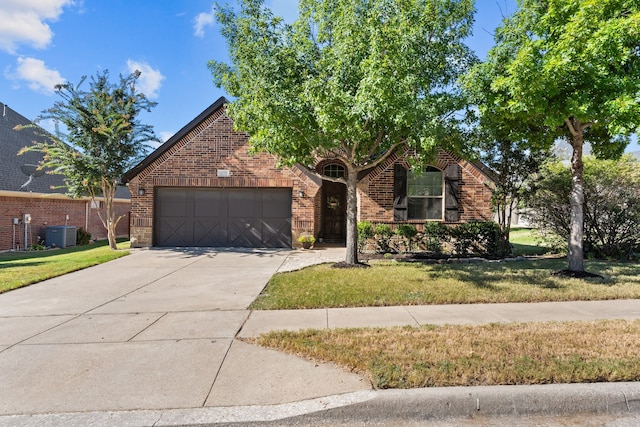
(61, 236)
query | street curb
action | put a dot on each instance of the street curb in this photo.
(488, 401)
(381, 406)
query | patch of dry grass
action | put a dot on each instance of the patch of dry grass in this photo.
(395, 283)
(494, 354)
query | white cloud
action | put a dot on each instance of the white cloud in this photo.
(202, 21)
(23, 22)
(39, 78)
(150, 80)
(164, 136)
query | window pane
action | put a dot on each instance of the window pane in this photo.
(427, 183)
(425, 208)
(333, 171)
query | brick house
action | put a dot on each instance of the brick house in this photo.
(203, 188)
(24, 190)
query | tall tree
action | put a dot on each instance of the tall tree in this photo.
(102, 138)
(572, 66)
(512, 148)
(515, 165)
(350, 80)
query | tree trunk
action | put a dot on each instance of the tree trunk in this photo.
(110, 221)
(576, 234)
(352, 216)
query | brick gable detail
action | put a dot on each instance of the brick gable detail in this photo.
(375, 191)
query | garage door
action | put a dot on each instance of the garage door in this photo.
(243, 218)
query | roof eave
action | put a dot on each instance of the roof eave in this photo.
(130, 174)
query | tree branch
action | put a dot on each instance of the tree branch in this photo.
(376, 144)
(381, 159)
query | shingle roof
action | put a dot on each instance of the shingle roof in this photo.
(15, 169)
(12, 176)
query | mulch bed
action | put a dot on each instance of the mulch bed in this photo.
(576, 274)
(345, 265)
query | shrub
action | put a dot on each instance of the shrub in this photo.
(83, 237)
(463, 238)
(434, 235)
(478, 238)
(408, 232)
(382, 234)
(611, 205)
(365, 231)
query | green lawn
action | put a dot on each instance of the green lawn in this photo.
(388, 283)
(525, 242)
(24, 268)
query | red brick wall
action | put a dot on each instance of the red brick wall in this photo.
(375, 195)
(48, 210)
(212, 145)
(194, 161)
(475, 193)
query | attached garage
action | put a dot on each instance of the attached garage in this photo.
(223, 217)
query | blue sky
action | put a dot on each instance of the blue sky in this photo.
(44, 42)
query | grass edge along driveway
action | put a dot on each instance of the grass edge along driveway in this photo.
(18, 269)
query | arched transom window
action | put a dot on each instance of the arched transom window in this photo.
(333, 170)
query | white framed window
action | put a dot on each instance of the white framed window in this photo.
(425, 194)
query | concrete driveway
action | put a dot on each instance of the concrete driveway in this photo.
(153, 330)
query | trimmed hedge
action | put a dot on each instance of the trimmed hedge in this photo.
(477, 238)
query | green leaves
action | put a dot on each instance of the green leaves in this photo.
(564, 68)
(351, 78)
(580, 59)
(104, 137)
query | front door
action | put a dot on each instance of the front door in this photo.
(334, 211)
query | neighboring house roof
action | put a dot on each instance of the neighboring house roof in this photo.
(175, 138)
(15, 169)
(18, 172)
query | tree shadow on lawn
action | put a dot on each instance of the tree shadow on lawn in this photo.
(7, 257)
(8, 265)
(485, 275)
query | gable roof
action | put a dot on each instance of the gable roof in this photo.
(213, 108)
(15, 169)
(17, 172)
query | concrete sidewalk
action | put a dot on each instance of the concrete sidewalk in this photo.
(262, 321)
(151, 339)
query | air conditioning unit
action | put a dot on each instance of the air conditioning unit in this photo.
(61, 236)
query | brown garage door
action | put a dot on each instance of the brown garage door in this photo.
(215, 217)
